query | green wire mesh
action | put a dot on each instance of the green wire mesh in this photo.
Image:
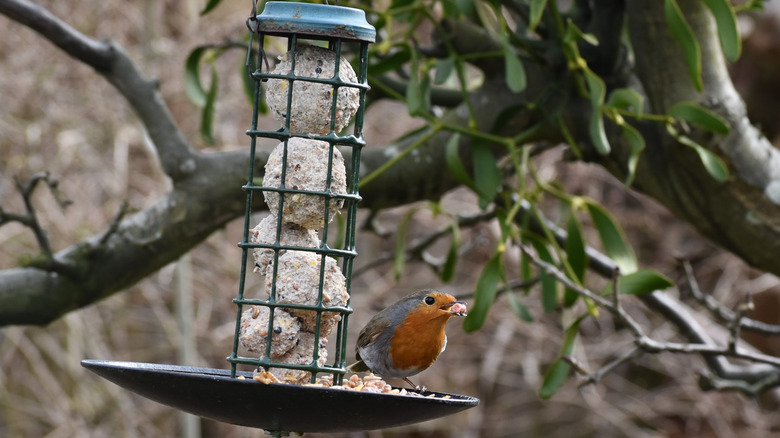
(264, 28)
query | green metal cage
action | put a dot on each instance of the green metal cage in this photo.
(344, 31)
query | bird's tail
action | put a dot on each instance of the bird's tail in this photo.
(358, 367)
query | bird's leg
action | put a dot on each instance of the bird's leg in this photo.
(416, 387)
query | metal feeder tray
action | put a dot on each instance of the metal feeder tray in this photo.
(212, 393)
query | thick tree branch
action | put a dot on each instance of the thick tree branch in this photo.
(93, 53)
(116, 66)
(740, 214)
(137, 246)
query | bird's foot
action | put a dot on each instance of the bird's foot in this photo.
(416, 387)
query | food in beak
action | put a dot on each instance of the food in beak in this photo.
(458, 308)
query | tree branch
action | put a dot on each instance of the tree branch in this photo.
(670, 309)
(721, 312)
(740, 214)
(116, 66)
(750, 374)
(93, 53)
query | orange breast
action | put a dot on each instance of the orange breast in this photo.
(417, 341)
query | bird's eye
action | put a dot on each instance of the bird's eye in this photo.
(430, 300)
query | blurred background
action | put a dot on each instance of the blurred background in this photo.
(59, 115)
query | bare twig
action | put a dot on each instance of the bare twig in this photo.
(709, 381)
(719, 310)
(595, 377)
(6, 217)
(30, 219)
(578, 366)
(736, 323)
(646, 343)
(417, 248)
(673, 311)
(618, 311)
(114, 223)
(616, 287)
(510, 286)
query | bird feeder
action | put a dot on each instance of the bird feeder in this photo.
(281, 377)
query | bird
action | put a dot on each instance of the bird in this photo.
(406, 338)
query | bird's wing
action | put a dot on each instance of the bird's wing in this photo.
(370, 332)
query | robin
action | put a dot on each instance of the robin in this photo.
(407, 337)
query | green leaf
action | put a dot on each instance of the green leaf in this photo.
(643, 282)
(450, 9)
(487, 287)
(597, 90)
(414, 99)
(559, 370)
(574, 34)
(575, 255)
(250, 87)
(682, 32)
(341, 222)
(210, 6)
(612, 238)
(393, 62)
(726, 20)
(400, 243)
(425, 88)
(549, 283)
(207, 116)
(418, 98)
(505, 227)
(489, 18)
(526, 273)
(519, 308)
(537, 8)
(448, 270)
(712, 163)
(444, 68)
(192, 84)
(636, 144)
(626, 98)
(415, 95)
(246, 77)
(515, 73)
(554, 378)
(454, 163)
(397, 4)
(699, 116)
(465, 6)
(487, 177)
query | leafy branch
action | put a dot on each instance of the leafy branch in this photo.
(645, 343)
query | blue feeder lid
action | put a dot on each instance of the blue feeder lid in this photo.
(318, 20)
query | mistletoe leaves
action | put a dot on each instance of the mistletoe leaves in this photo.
(694, 114)
(681, 31)
(197, 93)
(685, 37)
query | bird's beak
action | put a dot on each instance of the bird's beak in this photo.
(457, 308)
